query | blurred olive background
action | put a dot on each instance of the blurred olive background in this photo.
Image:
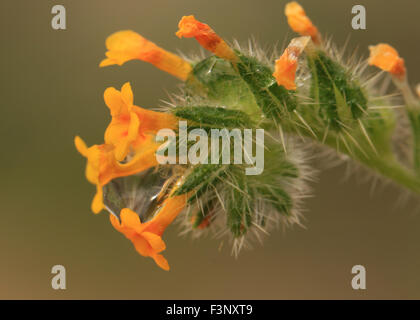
(51, 90)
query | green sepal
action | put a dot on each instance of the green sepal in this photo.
(214, 117)
(339, 97)
(200, 175)
(275, 101)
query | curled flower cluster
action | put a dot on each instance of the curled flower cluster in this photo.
(333, 105)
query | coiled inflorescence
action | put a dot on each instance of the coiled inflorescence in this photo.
(309, 94)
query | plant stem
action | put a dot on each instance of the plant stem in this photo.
(386, 165)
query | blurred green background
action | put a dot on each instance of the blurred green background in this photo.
(51, 90)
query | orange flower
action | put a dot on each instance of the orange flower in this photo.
(418, 90)
(147, 243)
(132, 127)
(189, 27)
(147, 237)
(286, 65)
(386, 58)
(102, 166)
(128, 45)
(300, 23)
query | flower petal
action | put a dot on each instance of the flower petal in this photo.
(81, 146)
(189, 27)
(300, 23)
(115, 222)
(128, 45)
(286, 65)
(170, 210)
(386, 58)
(142, 246)
(114, 101)
(106, 62)
(97, 202)
(161, 262)
(127, 94)
(155, 241)
(129, 218)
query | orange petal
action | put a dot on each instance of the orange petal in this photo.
(127, 94)
(123, 129)
(418, 90)
(128, 45)
(109, 168)
(300, 23)
(115, 222)
(93, 155)
(152, 121)
(154, 241)
(133, 127)
(386, 58)
(106, 62)
(102, 163)
(142, 160)
(170, 210)
(121, 150)
(286, 65)
(129, 218)
(115, 102)
(189, 27)
(97, 202)
(81, 146)
(122, 147)
(142, 246)
(124, 46)
(130, 124)
(161, 262)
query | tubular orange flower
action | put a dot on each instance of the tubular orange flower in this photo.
(132, 126)
(386, 58)
(286, 65)
(147, 243)
(128, 45)
(147, 237)
(300, 23)
(132, 129)
(102, 166)
(418, 90)
(100, 163)
(189, 27)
